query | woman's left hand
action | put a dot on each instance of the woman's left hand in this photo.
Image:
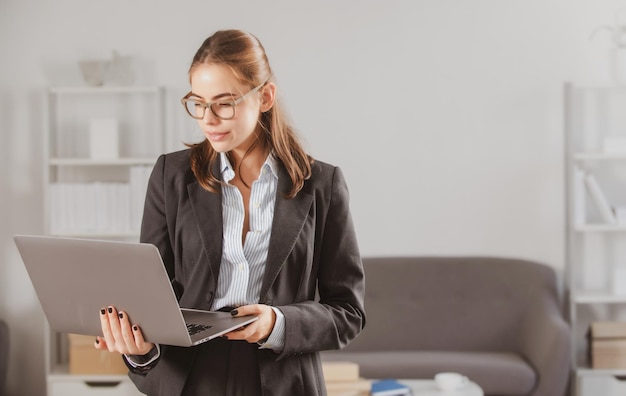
(258, 330)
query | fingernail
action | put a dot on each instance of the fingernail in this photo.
(234, 312)
(135, 328)
(97, 341)
(121, 315)
(102, 311)
(110, 309)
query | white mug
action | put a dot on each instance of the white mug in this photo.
(450, 381)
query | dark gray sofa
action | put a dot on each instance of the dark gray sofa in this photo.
(496, 320)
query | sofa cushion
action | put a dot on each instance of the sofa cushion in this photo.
(503, 374)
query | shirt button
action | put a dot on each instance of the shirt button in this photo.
(241, 267)
(257, 205)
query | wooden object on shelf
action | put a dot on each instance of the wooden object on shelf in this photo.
(86, 359)
(607, 345)
(342, 379)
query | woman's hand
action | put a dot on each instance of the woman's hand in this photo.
(258, 330)
(119, 335)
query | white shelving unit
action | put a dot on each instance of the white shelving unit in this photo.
(595, 247)
(78, 188)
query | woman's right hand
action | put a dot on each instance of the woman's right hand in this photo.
(119, 335)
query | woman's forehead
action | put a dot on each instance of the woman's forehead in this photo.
(213, 79)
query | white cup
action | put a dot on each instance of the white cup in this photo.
(451, 381)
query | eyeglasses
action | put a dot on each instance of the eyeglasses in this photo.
(224, 110)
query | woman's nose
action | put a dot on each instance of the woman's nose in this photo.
(209, 117)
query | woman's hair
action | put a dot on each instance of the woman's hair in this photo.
(245, 56)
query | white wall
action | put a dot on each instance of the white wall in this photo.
(446, 116)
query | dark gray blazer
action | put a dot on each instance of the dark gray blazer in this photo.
(313, 247)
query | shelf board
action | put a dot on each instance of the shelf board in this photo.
(104, 89)
(96, 234)
(598, 156)
(598, 298)
(587, 371)
(101, 162)
(62, 371)
(600, 228)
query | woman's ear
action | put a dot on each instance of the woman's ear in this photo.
(268, 94)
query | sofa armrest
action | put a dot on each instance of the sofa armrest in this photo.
(545, 343)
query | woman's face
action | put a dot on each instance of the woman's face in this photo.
(216, 83)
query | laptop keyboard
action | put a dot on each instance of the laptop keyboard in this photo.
(196, 328)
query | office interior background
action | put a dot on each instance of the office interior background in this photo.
(446, 116)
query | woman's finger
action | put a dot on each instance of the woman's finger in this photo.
(127, 334)
(114, 322)
(100, 343)
(142, 346)
(106, 328)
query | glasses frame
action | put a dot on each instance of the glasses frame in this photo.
(209, 105)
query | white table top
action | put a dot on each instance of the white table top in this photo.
(425, 387)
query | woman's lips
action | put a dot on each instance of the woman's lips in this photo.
(216, 136)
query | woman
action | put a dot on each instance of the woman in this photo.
(246, 221)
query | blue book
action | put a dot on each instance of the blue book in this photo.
(390, 387)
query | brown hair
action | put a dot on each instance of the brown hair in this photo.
(245, 56)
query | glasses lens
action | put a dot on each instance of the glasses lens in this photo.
(194, 108)
(223, 110)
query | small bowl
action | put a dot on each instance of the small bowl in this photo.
(94, 71)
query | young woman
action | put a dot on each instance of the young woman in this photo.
(247, 222)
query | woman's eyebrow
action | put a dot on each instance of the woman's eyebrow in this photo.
(216, 97)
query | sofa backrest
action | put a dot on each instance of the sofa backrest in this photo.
(450, 303)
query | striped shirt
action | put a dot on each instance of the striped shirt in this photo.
(243, 265)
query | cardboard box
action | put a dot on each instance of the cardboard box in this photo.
(607, 345)
(342, 379)
(85, 359)
(340, 371)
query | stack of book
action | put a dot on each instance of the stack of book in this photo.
(99, 207)
(342, 379)
(608, 345)
(390, 387)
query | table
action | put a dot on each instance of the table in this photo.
(426, 387)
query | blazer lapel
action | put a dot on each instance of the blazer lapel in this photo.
(207, 208)
(289, 218)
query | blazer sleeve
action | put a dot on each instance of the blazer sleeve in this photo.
(339, 315)
(154, 231)
(154, 224)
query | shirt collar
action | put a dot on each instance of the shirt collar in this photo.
(228, 172)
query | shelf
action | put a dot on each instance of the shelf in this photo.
(598, 156)
(587, 371)
(598, 298)
(104, 89)
(599, 85)
(101, 162)
(62, 371)
(601, 228)
(96, 235)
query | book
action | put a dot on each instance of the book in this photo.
(349, 388)
(389, 387)
(597, 195)
(340, 371)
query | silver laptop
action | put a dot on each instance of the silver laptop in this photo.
(75, 278)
